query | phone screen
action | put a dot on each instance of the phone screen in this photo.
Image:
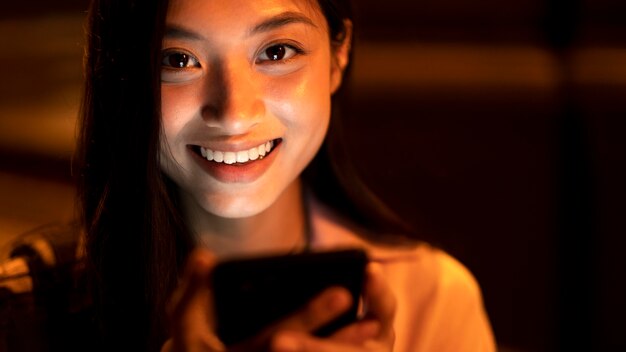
(252, 293)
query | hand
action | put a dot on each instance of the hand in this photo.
(191, 308)
(193, 326)
(191, 312)
(372, 334)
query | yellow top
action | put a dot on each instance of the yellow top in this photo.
(440, 305)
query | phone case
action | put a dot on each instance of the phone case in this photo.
(250, 294)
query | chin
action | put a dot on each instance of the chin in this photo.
(235, 207)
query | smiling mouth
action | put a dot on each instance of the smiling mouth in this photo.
(240, 157)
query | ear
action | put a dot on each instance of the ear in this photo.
(340, 55)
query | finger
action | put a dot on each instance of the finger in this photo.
(325, 307)
(358, 332)
(195, 277)
(379, 299)
(192, 312)
(300, 342)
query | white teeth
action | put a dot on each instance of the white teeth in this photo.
(237, 157)
(242, 157)
(230, 158)
(218, 156)
(253, 153)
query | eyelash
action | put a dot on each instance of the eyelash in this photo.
(172, 72)
(195, 63)
(296, 49)
(170, 52)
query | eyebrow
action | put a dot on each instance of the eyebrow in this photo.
(281, 20)
(177, 32)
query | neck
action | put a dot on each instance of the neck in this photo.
(281, 228)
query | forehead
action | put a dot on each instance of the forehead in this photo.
(225, 15)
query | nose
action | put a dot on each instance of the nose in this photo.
(234, 104)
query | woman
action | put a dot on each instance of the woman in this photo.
(206, 134)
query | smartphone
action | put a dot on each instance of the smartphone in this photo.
(252, 293)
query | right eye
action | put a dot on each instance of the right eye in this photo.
(177, 59)
(178, 66)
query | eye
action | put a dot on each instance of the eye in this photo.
(279, 52)
(178, 66)
(177, 59)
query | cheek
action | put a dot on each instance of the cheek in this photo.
(313, 109)
(168, 110)
(176, 113)
(176, 109)
(302, 101)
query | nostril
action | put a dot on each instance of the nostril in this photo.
(211, 112)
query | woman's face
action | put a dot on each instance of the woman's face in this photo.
(245, 97)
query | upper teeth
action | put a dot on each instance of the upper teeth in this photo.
(237, 157)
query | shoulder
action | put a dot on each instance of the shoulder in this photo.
(417, 269)
(429, 275)
(440, 306)
(434, 268)
(449, 277)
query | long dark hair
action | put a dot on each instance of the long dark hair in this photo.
(136, 241)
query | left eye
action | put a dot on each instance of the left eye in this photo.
(278, 52)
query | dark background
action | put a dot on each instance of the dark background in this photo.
(495, 127)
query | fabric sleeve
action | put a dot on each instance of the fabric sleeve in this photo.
(440, 305)
(458, 314)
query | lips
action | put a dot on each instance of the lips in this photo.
(237, 166)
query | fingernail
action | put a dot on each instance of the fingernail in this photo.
(287, 343)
